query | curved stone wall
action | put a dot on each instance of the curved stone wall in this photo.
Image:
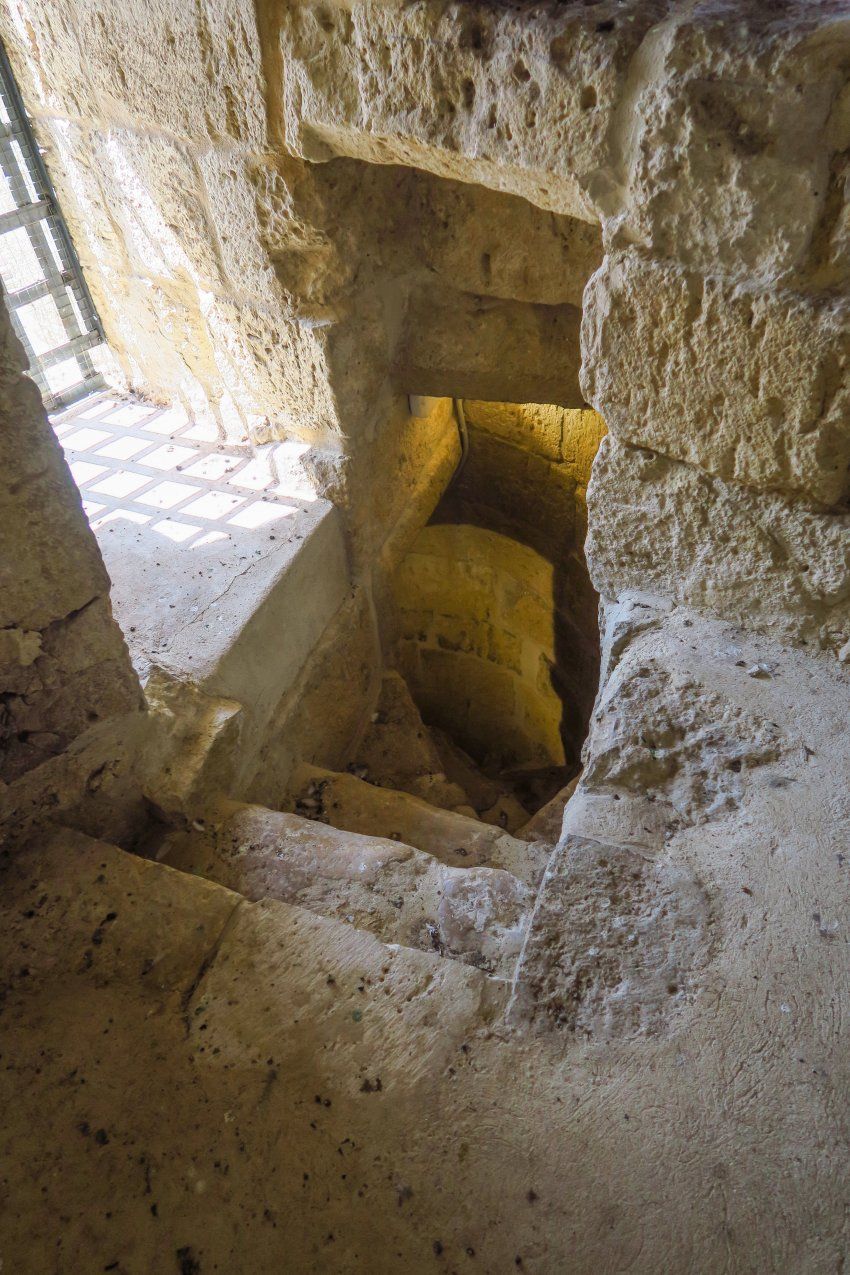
(477, 643)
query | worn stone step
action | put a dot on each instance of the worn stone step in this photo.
(397, 751)
(491, 800)
(398, 893)
(546, 823)
(349, 803)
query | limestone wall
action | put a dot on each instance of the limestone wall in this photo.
(352, 200)
(477, 643)
(69, 699)
(281, 298)
(710, 143)
(151, 120)
(527, 472)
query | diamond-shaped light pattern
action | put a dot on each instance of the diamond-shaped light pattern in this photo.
(147, 466)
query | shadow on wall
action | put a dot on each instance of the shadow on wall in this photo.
(497, 618)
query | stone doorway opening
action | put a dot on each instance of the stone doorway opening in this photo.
(495, 624)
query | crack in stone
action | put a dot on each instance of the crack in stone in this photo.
(206, 964)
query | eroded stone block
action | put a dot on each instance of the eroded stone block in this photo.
(468, 346)
(725, 130)
(769, 563)
(749, 385)
(666, 733)
(517, 99)
(616, 944)
(194, 71)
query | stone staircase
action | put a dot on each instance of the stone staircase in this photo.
(400, 894)
(455, 838)
(395, 846)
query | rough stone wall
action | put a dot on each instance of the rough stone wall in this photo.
(710, 142)
(69, 699)
(279, 297)
(668, 1080)
(378, 199)
(476, 626)
(526, 475)
(148, 118)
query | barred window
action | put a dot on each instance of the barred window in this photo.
(51, 309)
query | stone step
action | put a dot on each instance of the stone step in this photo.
(492, 801)
(396, 751)
(547, 823)
(400, 894)
(461, 842)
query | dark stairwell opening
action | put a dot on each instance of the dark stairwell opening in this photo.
(496, 627)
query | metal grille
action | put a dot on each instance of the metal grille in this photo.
(52, 312)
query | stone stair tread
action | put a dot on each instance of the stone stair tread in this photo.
(398, 893)
(546, 823)
(349, 803)
(492, 801)
(397, 751)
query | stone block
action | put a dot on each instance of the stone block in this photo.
(658, 729)
(616, 946)
(539, 713)
(163, 343)
(569, 437)
(421, 454)
(471, 346)
(487, 242)
(50, 565)
(504, 648)
(461, 635)
(151, 190)
(534, 427)
(528, 613)
(85, 202)
(193, 71)
(472, 698)
(522, 497)
(734, 126)
(582, 432)
(662, 527)
(274, 366)
(507, 557)
(749, 385)
(436, 583)
(516, 99)
(705, 141)
(239, 190)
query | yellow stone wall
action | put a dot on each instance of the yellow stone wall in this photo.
(476, 641)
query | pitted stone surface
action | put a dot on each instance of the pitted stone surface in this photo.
(669, 734)
(759, 375)
(670, 529)
(615, 945)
